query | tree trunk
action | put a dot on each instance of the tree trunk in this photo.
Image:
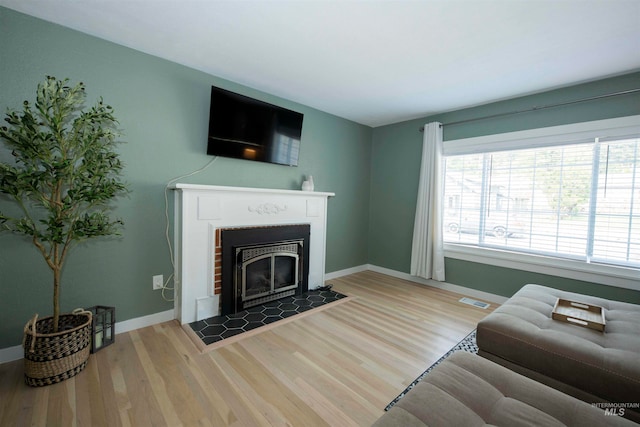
(56, 297)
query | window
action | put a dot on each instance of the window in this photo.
(571, 195)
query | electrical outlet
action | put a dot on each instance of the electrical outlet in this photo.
(158, 282)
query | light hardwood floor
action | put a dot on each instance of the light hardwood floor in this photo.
(337, 367)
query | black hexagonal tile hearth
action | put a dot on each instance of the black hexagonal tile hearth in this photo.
(218, 328)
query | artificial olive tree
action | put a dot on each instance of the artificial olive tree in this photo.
(62, 172)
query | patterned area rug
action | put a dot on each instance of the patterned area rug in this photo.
(467, 344)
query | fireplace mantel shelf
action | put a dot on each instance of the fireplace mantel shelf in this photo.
(200, 211)
(221, 188)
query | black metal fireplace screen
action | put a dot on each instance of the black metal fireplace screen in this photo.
(267, 272)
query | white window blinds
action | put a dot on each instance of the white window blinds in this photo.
(578, 198)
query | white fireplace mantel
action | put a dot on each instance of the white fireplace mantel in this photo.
(202, 209)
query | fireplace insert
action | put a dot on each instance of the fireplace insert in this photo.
(263, 264)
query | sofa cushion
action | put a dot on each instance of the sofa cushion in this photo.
(521, 333)
(467, 390)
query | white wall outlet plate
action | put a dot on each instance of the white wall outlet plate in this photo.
(158, 282)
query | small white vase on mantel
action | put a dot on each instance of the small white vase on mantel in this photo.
(308, 184)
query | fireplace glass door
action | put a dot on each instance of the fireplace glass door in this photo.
(284, 271)
(267, 271)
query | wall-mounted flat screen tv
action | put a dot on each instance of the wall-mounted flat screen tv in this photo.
(246, 128)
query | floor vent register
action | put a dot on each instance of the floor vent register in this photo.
(474, 303)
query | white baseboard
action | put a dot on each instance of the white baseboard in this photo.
(10, 354)
(144, 321)
(486, 296)
(345, 272)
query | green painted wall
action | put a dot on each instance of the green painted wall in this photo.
(506, 281)
(163, 111)
(395, 167)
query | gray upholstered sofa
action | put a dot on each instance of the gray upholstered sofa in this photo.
(594, 366)
(553, 374)
(467, 390)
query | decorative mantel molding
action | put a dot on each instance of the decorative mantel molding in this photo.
(267, 209)
(200, 210)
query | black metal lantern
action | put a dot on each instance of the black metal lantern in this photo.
(104, 322)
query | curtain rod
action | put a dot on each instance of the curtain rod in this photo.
(542, 107)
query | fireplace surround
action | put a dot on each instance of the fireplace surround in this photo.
(203, 212)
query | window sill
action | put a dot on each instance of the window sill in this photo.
(621, 277)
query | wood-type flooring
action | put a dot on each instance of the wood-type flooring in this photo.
(338, 367)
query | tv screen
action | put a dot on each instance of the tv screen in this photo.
(245, 128)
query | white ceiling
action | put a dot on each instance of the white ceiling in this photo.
(373, 62)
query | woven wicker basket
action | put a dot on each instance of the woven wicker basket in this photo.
(51, 358)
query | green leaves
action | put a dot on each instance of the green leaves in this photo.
(94, 225)
(65, 170)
